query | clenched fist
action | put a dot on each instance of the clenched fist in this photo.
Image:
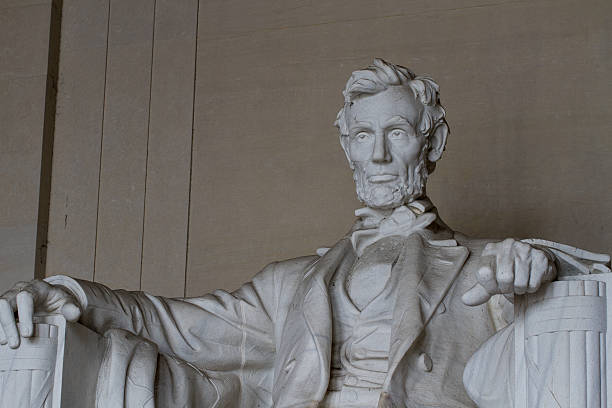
(27, 297)
(510, 267)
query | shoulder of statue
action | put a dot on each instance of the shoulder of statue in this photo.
(294, 265)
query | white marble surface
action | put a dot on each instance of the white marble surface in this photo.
(57, 366)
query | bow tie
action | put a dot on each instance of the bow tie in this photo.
(403, 221)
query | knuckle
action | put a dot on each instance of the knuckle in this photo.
(523, 249)
(522, 245)
(509, 242)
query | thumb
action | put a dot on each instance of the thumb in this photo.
(477, 295)
(71, 311)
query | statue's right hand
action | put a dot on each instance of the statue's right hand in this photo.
(25, 298)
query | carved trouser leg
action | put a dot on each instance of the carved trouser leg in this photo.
(134, 375)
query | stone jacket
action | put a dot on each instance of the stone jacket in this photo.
(268, 344)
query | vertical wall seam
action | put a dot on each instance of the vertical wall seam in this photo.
(48, 136)
(144, 202)
(93, 277)
(193, 104)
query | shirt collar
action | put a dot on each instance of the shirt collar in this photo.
(372, 217)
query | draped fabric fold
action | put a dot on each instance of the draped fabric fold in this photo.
(134, 375)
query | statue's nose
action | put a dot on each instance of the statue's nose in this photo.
(380, 153)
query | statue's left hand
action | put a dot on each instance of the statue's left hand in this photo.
(510, 267)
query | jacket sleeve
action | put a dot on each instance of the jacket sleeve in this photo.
(219, 331)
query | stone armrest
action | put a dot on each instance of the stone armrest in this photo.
(557, 353)
(56, 367)
(562, 349)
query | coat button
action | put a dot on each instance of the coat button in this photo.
(425, 362)
(441, 308)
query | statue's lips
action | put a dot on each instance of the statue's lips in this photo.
(382, 178)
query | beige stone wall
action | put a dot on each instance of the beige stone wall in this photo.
(141, 201)
(24, 55)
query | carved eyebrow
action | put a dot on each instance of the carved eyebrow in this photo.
(364, 124)
(397, 120)
(361, 125)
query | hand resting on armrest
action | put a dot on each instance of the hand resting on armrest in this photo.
(25, 298)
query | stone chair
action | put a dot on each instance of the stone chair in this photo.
(561, 344)
(56, 367)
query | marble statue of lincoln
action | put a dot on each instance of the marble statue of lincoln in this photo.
(388, 317)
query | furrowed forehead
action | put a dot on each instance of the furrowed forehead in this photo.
(394, 102)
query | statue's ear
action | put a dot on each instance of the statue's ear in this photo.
(437, 141)
(344, 142)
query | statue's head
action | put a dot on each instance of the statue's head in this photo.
(393, 131)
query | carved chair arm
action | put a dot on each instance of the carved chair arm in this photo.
(56, 367)
(562, 344)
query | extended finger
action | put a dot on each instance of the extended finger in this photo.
(2, 336)
(477, 295)
(7, 320)
(25, 310)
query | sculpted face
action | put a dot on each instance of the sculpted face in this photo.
(385, 150)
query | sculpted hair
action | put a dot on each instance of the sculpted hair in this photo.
(381, 75)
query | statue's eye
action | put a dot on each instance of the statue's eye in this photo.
(362, 136)
(396, 134)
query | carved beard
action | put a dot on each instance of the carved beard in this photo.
(392, 194)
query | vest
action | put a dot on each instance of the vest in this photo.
(361, 338)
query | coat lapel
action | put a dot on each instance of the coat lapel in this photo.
(303, 363)
(428, 271)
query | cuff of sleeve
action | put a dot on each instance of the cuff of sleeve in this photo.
(552, 260)
(72, 286)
